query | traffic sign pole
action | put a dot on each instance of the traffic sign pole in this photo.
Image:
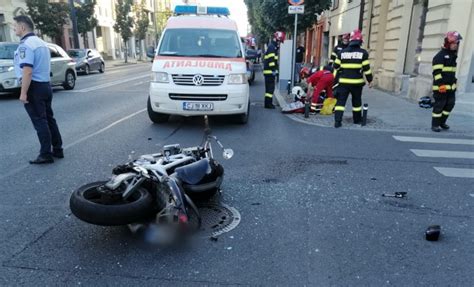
(293, 58)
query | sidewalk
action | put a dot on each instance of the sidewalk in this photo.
(394, 113)
(121, 62)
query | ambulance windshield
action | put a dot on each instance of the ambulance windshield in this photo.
(200, 43)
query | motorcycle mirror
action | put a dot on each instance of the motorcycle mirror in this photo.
(228, 153)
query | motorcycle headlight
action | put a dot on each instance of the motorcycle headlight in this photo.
(159, 77)
(235, 79)
(4, 69)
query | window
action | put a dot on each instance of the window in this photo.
(335, 4)
(201, 43)
(54, 52)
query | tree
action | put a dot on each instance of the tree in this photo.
(142, 23)
(86, 20)
(123, 22)
(49, 18)
(268, 16)
(161, 20)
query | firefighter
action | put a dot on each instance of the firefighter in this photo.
(350, 64)
(322, 80)
(270, 67)
(444, 81)
(342, 44)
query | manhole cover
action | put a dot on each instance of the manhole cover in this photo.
(217, 219)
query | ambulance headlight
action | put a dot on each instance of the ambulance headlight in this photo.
(159, 77)
(235, 79)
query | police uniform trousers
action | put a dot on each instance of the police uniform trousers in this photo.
(444, 104)
(39, 109)
(269, 88)
(342, 94)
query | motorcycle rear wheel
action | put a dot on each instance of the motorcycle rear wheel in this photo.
(90, 205)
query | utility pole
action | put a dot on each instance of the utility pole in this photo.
(74, 24)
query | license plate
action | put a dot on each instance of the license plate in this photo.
(198, 106)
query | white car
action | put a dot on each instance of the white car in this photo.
(199, 67)
(63, 72)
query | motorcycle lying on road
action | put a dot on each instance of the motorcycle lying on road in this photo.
(158, 188)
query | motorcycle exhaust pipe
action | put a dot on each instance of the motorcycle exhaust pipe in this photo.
(365, 110)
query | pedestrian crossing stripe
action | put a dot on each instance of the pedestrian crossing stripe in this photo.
(434, 140)
(456, 172)
(443, 153)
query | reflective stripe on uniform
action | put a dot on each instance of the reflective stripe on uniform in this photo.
(446, 113)
(453, 87)
(436, 115)
(334, 73)
(268, 95)
(269, 55)
(333, 54)
(438, 67)
(438, 77)
(356, 109)
(276, 57)
(351, 81)
(338, 61)
(449, 69)
(272, 64)
(339, 108)
(267, 72)
(351, 66)
(368, 72)
(448, 87)
(365, 63)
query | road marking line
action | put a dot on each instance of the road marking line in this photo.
(140, 83)
(21, 168)
(443, 153)
(456, 172)
(106, 85)
(434, 140)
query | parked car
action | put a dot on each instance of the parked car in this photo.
(87, 60)
(63, 71)
(250, 58)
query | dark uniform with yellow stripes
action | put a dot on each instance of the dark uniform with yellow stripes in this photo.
(350, 64)
(336, 51)
(270, 70)
(444, 86)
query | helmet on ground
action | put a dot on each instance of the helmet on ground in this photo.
(304, 72)
(356, 35)
(425, 102)
(452, 37)
(298, 93)
(279, 36)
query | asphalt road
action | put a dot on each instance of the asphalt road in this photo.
(309, 197)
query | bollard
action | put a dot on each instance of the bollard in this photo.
(364, 114)
(306, 109)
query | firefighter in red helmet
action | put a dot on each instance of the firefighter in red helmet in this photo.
(444, 81)
(270, 67)
(352, 63)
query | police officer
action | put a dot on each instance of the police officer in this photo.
(341, 45)
(444, 81)
(350, 63)
(32, 68)
(270, 67)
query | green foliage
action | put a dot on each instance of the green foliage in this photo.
(142, 21)
(268, 16)
(161, 20)
(86, 20)
(49, 18)
(123, 22)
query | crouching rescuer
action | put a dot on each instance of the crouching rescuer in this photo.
(349, 65)
(444, 81)
(270, 67)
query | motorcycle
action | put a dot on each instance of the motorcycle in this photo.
(157, 188)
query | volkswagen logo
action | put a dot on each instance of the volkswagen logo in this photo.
(198, 80)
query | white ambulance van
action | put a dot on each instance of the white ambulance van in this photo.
(199, 67)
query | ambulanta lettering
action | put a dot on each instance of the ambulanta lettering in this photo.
(352, 55)
(196, 64)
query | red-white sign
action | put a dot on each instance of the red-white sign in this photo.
(296, 2)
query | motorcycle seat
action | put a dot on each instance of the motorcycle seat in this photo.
(194, 172)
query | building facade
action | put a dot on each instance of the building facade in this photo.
(8, 10)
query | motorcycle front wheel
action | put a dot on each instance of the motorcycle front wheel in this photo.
(92, 205)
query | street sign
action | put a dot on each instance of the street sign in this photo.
(296, 9)
(296, 2)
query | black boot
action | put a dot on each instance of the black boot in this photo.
(435, 123)
(338, 119)
(443, 124)
(268, 103)
(42, 159)
(357, 117)
(337, 124)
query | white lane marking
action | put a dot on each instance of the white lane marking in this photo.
(106, 85)
(456, 172)
(21, 168)
(140, 83)
(443, 153)
(434, 140)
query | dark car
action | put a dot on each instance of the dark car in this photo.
(87, 60)
(250, 58)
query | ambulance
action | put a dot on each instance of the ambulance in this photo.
(199, 67)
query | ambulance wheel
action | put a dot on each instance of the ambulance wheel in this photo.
(155, 117)
(243, 118)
